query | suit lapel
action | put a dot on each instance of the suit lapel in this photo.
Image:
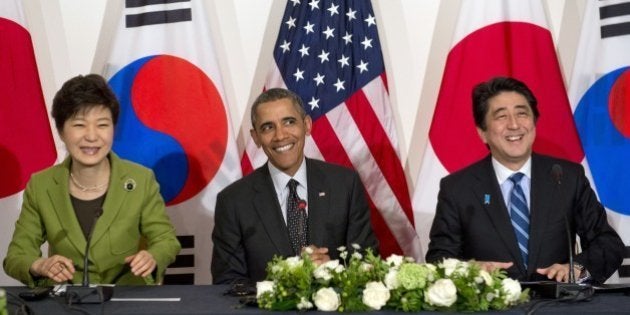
(496, 209)
(318, 204)
(114, 200)
(542, 187)
(59, 196)
(268, 208)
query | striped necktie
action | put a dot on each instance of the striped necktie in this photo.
(519, 214)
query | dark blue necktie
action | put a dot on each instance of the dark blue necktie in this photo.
(519, 213)
(297, 220)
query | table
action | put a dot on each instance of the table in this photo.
(206, 299)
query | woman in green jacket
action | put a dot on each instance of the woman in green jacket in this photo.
(92, 191)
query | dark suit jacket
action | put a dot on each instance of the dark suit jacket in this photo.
(466, 227)
(249, 227)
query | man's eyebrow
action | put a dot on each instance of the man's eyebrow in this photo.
(499, 109)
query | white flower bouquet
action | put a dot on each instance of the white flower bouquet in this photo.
(363, 282)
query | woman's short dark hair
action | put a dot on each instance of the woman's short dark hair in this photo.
(274, 95)
(80, 94)
(484, 91)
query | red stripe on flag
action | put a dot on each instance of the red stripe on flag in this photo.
(388, 244)
(384, 78)
(333, 151)
(329, 145)
(381, 149)
(246, 164)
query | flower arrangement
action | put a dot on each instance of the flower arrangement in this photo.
(363, 282)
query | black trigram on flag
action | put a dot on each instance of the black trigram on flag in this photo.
(143, 14)
(182, 271)
(615, 19)
(624, 270)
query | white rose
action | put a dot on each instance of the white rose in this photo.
(341, 248)
(357, 255)
(263, 286)
(449, 265)
(366, 267)
(394, 260)
(294, 262)
(433, 269)
(463, 265)
(442, 293)
(331, 264)
(391, 279)
(304, 304)
(490, 296)
(339, 269)
(375, 295)
(462, 268)
(487, 278)
(512, 289)
(326, 299)
(356, 246)
(322, 273)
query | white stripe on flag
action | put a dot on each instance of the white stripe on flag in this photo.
(378, 99)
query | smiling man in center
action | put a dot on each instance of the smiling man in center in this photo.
(288, 204)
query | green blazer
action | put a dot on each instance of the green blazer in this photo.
(133, 218)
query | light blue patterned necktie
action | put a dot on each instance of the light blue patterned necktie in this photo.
(519, 214)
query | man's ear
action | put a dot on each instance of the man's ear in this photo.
(254, 134)
(308, 124)
(482, 135)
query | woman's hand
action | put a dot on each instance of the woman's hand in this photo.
(57, 268)
(142, 263)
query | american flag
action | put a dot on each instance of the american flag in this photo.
(329, 53)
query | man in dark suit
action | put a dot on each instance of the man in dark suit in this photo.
(517, 222)
(253, 216)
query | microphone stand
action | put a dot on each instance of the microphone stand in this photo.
(85, 293)
(561, 290)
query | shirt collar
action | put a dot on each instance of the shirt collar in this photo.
(281, 179)
(503, 173)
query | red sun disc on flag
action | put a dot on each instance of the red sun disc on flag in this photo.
(26, 143)
(521, 50)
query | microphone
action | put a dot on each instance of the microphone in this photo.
(301, 204)
(86, 293)
(552, 289)
(86, 274)
(556, 174)
(302, 224)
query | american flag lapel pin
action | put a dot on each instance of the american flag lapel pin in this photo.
(486, 199)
